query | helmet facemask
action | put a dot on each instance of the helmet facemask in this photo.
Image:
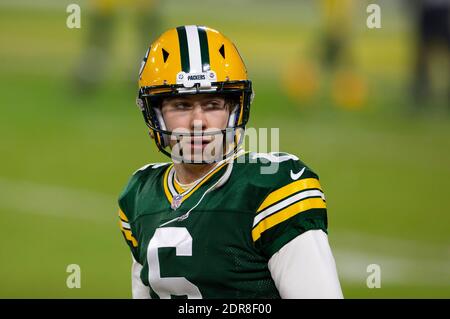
(175, 144)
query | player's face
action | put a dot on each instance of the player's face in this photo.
(198, 113)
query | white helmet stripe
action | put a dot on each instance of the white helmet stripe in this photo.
(195, 57)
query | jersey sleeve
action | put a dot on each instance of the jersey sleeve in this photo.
(305, 268)
(125, 228)
(138, 289)
(294, 203)
(126, 212)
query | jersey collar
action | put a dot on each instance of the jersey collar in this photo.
(173, 191)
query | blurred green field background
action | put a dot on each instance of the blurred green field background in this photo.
(65, 157)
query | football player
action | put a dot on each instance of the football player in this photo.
(212, 223)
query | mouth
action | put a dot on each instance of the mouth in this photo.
(197, 143)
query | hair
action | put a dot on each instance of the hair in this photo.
(231, 101)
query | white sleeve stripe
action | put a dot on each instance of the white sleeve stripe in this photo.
(285, 203)
(126, 225)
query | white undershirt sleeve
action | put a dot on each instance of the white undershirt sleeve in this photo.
(139, 290)
(305, 268)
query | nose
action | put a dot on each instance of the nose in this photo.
(198, 119)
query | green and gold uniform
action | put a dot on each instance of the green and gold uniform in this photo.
(215, 240)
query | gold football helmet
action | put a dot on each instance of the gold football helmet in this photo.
(194, 60)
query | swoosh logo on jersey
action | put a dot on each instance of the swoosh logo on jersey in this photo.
(297, 176)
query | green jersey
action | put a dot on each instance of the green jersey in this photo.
(215, 240)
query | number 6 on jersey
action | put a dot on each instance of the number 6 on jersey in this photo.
(164, 287)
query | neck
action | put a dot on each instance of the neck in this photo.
(188, 173)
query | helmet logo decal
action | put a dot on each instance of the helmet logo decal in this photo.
(202, 79)
(196, 77)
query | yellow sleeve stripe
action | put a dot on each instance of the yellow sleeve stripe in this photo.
(128, 235)
(288, 190)
(126, 232)
(122, 216)
(285, 214)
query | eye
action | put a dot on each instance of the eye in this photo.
(181, 106)
(214, 105)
